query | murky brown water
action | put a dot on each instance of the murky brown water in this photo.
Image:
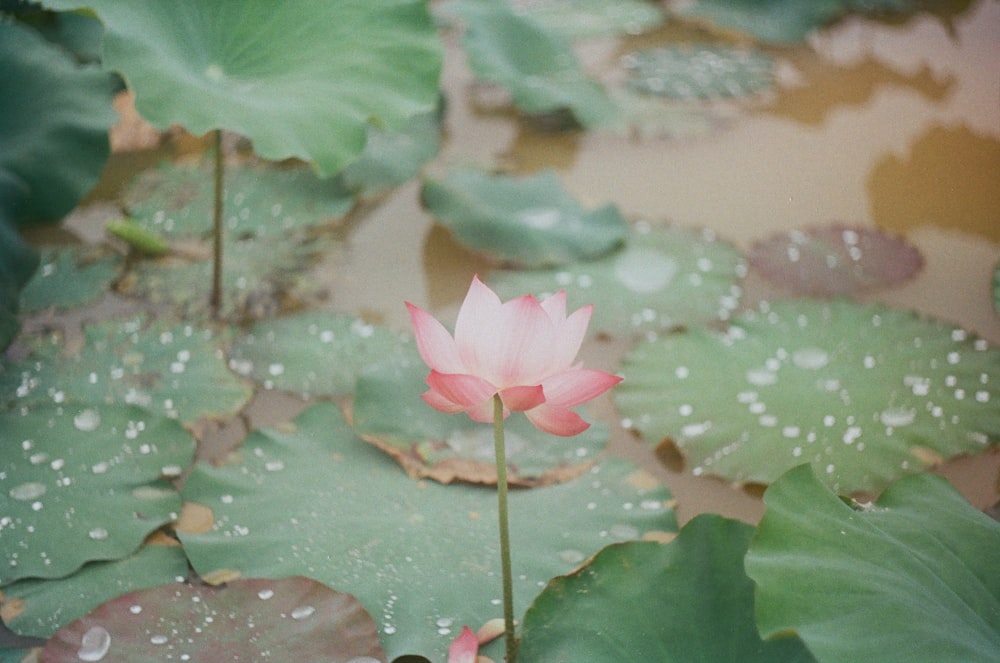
(894, 125)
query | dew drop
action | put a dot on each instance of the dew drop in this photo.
(897, 417)
(274, 466)
(158, 640)
(572, 556)
(761, 377)
(645, 270)
(810, 358)
(135, 609)
(98, 534)
(303, 611)
(624, 531)
(28, 491)
(276, 369)
(87, 420)
(95, 644)
(265, 594)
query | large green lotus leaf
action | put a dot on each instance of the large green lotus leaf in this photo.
(314, 499)
(312, 354)
(391, 158)
(176, 370)
(70, 277)
(529, 221)
(387, 411)
(778, 21)
(700, 71)
(54, 131)
(537, 66)
(39, 608)
(82, 483)
(683, 601)
(664, 277)
(912, 577)
(259, 200)
(581, 19)
(299, 79)
(291, 619)
(864, 393)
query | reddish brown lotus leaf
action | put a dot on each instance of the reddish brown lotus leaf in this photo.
(835, 260)
(292, 619)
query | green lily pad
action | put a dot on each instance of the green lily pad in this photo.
(303, 83)
(298, 619)
(911, 577)
(388, 412)
(582, 19)
(69, 278)
(39, 608)
(864, 393)
(56, 117)
(687, 600)
(314, 499)
(700, 71)
(312, 354)
(391, 158)
(537, 66)
(664, 277)
(176, 370)
(527, 221)
(83, 483)
(259, 200)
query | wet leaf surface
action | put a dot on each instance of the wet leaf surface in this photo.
(529, 221)
(176, 370)
(663, 277)
(41, 607)
(835, 260)
(700, 71)
(910, 577)
(313, 499)
(68, 278)
(582, 19)
(293, 619)
(387, 411)
(686, 600)
(67, 502)
(864, 393)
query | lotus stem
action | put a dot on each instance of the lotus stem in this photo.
(505, 566)
(216, 299)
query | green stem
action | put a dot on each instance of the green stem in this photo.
(508, 583)
(216, 299)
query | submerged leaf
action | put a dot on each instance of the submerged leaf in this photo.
(529, 221)
(700, 71)
(296, 618)
(313, 499)
(864, 393)
(911, 577)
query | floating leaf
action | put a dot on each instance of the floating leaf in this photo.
(536, 65)
(835, 260)
(387, 411)
(700, 71)
(311, 354)
(580, 19)
(83, 483)
(393, 157)
(864, 393)
(527, 221)
(259, 200)
(297, 619)
(56, 117)
(176, 370)
(303, 83)
(313, 499)
(41, 607)
(911, 577)
(687, 600)
(664, 277)
(70, 277)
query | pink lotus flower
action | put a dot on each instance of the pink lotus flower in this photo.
(464, 648)
(522, 350)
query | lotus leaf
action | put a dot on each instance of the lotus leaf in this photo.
(82, 483)
(686, 600)
(536, 65)
(391, 158)
(311, 498)
(528, 221)
(911, 577)
(579, 19)
(41, 607)
(175, 370)
(299, 79)
(388, 412)
(311, 354)
(700, 71)
(864, 393)
(835, 260)
(664, 277)
(18, 261)
(70, 277)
